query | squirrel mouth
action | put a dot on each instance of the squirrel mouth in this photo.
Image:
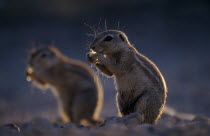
(29, 73)
(102, 52)
(97, 51)
(30, 76)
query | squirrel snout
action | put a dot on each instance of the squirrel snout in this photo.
(92, 47)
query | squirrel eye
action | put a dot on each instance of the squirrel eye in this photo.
(122, 38)
(44, 55)
(108, 38)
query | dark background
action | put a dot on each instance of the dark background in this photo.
(174, 34)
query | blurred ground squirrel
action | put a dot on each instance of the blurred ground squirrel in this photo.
(140, 85)
(75, 85)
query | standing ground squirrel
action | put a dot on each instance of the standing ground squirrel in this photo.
(140, 86)
(76, 87)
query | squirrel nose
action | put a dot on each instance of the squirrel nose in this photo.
(92, 47)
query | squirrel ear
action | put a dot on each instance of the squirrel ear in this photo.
(121, 37)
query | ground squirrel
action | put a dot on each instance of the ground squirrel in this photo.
(76, 86)
(140, 85)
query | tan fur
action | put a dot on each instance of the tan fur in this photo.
(76, 86)
(140, 85)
